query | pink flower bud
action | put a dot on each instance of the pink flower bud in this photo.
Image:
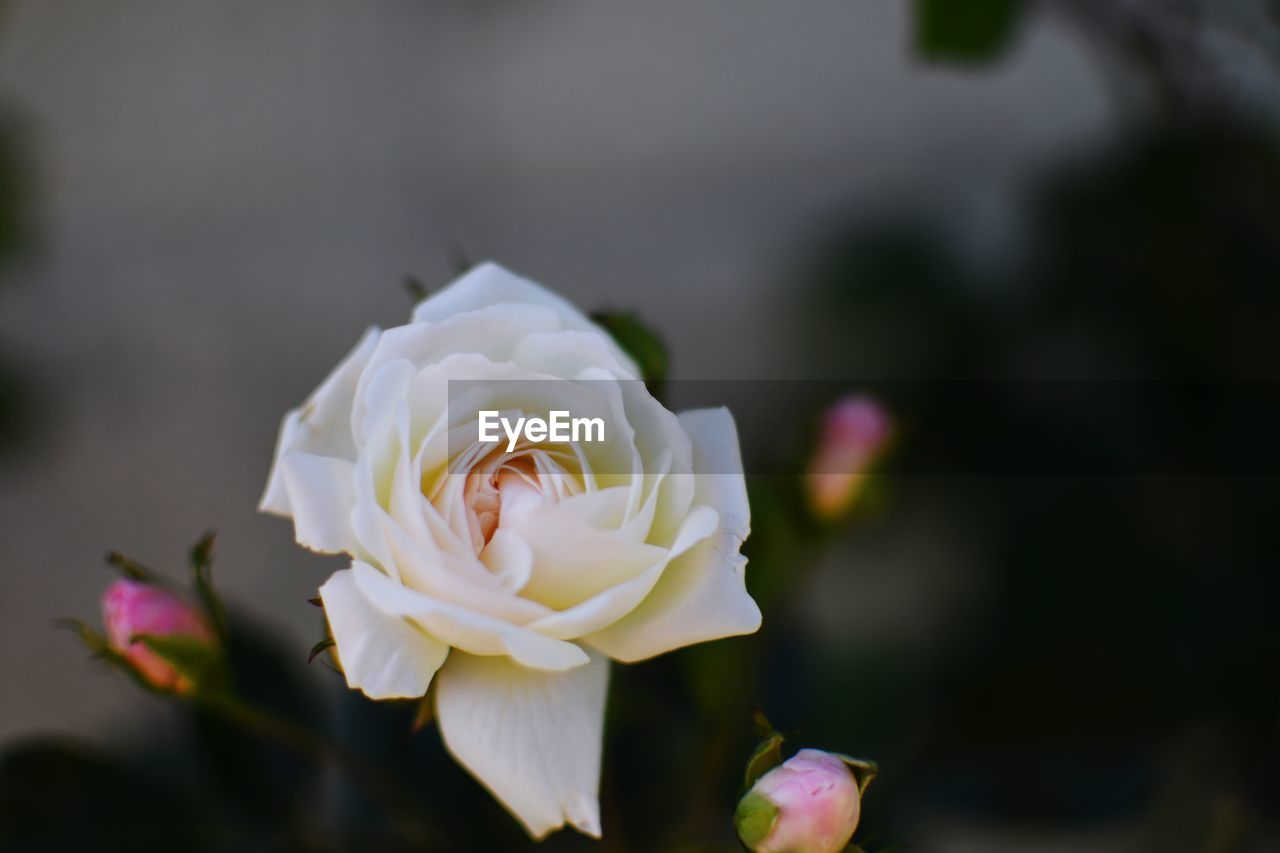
(808, 804)
(130, 608)
(855, 431)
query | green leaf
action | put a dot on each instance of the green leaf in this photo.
(966, 31)
(194, 658)
(641, 343)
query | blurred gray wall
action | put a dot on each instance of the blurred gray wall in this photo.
(232, 190)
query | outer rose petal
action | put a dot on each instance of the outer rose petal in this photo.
(465, 629)
(702, 595)
(322, 425)
(532, 738)
(383, 655)
(321, 493)
(490, 284)
(717, 462)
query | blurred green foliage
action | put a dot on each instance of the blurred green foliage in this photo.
(642, 343)
(1120, 615)
(965, 31)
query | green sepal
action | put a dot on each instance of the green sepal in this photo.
(318, 648)
(202, 552)
(641, 343)
(460, 258)
(864, 770)
(425, 713)
(415, 288)
(97, 644)
(767, 754)
(92, 639)
(131, 569)
(754, 819)
(195, 659)
(202, 580)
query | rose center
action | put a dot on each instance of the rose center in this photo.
(504, 482)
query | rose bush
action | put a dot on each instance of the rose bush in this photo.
(511, 579)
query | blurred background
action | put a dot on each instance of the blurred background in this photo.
(204, 202)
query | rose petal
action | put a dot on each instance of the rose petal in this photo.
(510, 559)
(382, 655)
(321, 492)
(533, 739)
(702, 594)
(717, 462)
(490, 284)
(600, 610)
(382, 394)
(463, 629)
(572, 561)
(574, 355)
(322, 425)
(490, 334)
(607, 607)
(412, 544)
(700, 597)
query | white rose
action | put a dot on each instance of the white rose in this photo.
(513, 579)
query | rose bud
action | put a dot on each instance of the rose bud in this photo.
(131, 608)
(808, 804)
(855, 432)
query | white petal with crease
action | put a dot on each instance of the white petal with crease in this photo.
(702, 595)
(533, 739)
(322, 425)
(464, 629)
(322, 493)
(381, 654)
